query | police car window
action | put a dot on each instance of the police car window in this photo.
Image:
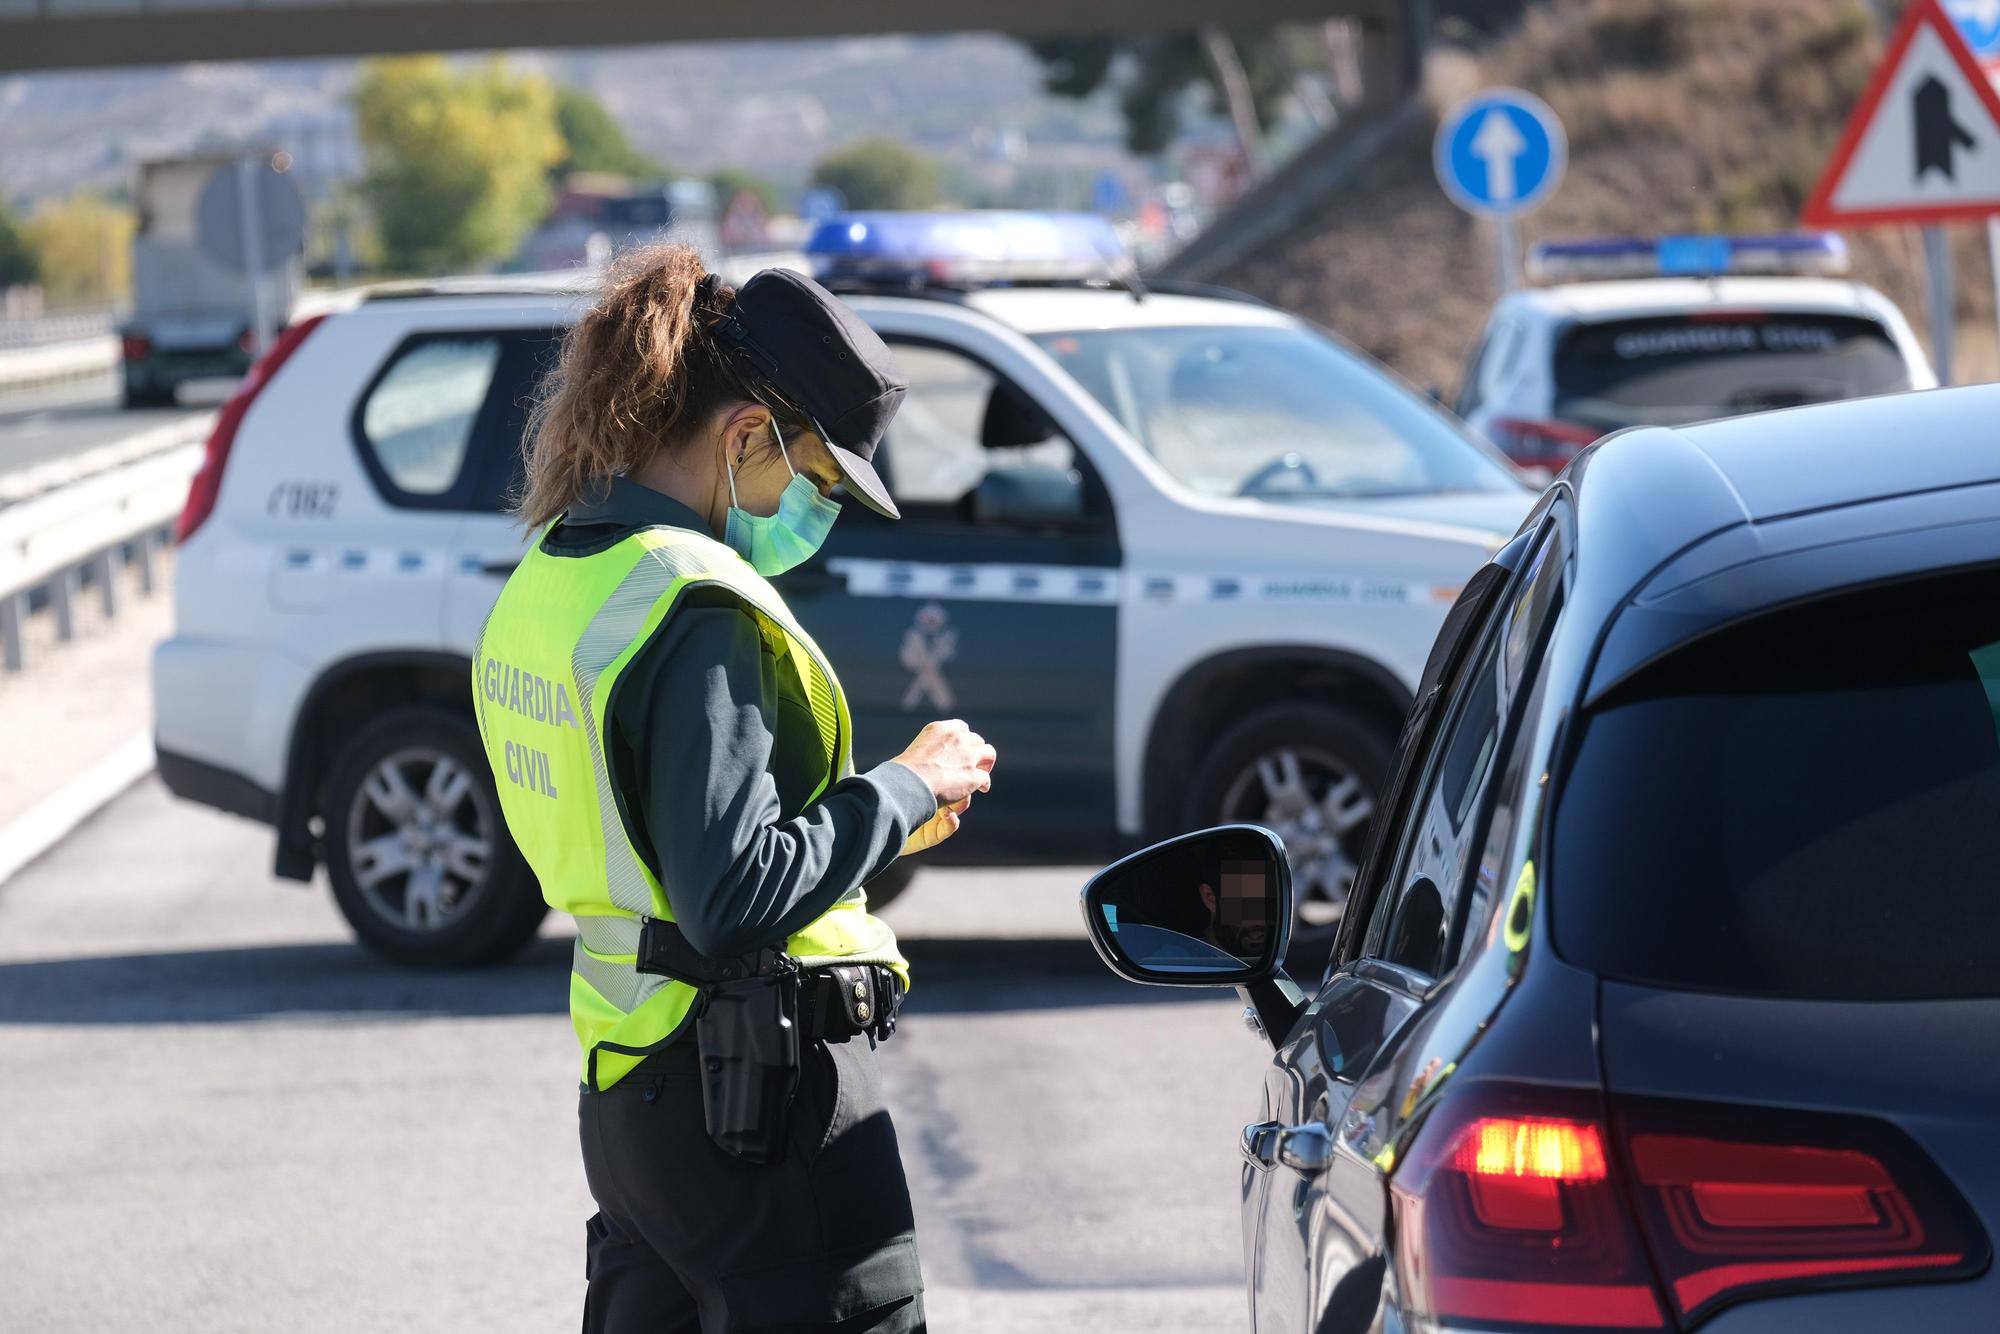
(958, 422)
(1671, 370)
(1276, 412)
(419, 418)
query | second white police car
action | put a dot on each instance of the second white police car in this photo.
(1181, 557)
(1633, 331)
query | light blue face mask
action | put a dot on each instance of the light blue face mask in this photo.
(774, 543)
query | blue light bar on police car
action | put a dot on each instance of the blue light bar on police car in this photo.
(1799, 254)
(983, 246)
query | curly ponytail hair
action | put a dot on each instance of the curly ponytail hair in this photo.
(640, 371)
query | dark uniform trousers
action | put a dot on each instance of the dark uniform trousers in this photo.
(688, 1238)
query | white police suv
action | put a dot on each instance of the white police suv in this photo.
(1180, 557)
(1677, 330)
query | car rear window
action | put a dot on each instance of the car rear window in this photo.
(1806, 806)
(1671, 370)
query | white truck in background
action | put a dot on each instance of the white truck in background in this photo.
(194, 316)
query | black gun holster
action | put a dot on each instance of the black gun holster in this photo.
(748, 1035)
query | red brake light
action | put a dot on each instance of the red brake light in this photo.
(1739, 1204)
(1508, 1214)
(1510, 1208)
(135, 347)
(207, 482)
(1548, 444)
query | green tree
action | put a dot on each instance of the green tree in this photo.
(17, 254)
(457, 161)
(594, 141)
(83, 249)
(1153, 73)
(880, 173)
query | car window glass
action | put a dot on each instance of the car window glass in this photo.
(1436, 876)
(1804, 805)
(1279, 412)
(420, 415)
(530, 355)
(959, 422)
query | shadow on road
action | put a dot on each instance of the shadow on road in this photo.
(954, 976)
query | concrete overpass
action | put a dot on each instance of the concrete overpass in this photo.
(70, 34)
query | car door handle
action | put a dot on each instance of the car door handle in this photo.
(1260, 1144)
(1305, 1149)
(500, 569)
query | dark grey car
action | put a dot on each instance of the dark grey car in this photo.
(1669, 996)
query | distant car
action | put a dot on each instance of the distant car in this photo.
(1556, 367)
(1179, 557)
(1667, 996)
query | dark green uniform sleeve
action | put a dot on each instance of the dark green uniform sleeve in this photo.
(695, 717)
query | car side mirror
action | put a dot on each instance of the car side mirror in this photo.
(1029, 495)
(1207, 909)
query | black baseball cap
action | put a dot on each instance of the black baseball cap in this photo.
(822, 359)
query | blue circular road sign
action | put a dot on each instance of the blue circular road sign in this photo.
(1502, 152)
(1979, 23)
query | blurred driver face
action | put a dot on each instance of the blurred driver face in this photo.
(1241, 925)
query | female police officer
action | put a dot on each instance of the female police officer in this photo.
(671, 751)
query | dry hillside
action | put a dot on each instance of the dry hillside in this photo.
(1683, 115)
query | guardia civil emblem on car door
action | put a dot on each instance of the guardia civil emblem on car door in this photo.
(928, 645)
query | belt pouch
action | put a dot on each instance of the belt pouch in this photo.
(748, 1036)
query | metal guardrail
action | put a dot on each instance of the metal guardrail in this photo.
(22, 367)
(69, 327)
(92, 526)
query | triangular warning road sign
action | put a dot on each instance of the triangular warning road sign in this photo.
(1924, 145)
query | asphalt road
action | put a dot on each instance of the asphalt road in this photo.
(38, 425)
(216, 1114)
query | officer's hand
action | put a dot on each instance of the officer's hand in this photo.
(936, 829)
(953, 759)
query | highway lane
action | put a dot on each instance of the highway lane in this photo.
(216, 1114)
(39, 425)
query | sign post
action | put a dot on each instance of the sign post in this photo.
(1979, 24)
(1501, 154)
(1923, 147)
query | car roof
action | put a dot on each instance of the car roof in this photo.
(1682, 529)
(1043, 310)
(1594, 301)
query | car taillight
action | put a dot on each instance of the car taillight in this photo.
(1521, 1206)
(207, 482)
(135, 347)
(246, 342)
(1546, 444)
(1507, 1213)
(1738, 1204)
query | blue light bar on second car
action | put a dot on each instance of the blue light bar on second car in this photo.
(985, 246)
(1797, 254)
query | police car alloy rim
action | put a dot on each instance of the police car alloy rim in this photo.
(420, 838)
(1320, 808)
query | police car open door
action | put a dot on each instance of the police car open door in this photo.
(994, 599)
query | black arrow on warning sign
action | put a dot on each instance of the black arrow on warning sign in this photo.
(1938, 134)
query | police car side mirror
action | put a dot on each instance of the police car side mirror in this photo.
(1207, 909)
(1029, 495)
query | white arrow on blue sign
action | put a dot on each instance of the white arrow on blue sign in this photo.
(1502, 153)
(1979, 23)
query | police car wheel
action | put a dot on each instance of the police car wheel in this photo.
(1312, 773)
(420, 859)
(884, 888)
